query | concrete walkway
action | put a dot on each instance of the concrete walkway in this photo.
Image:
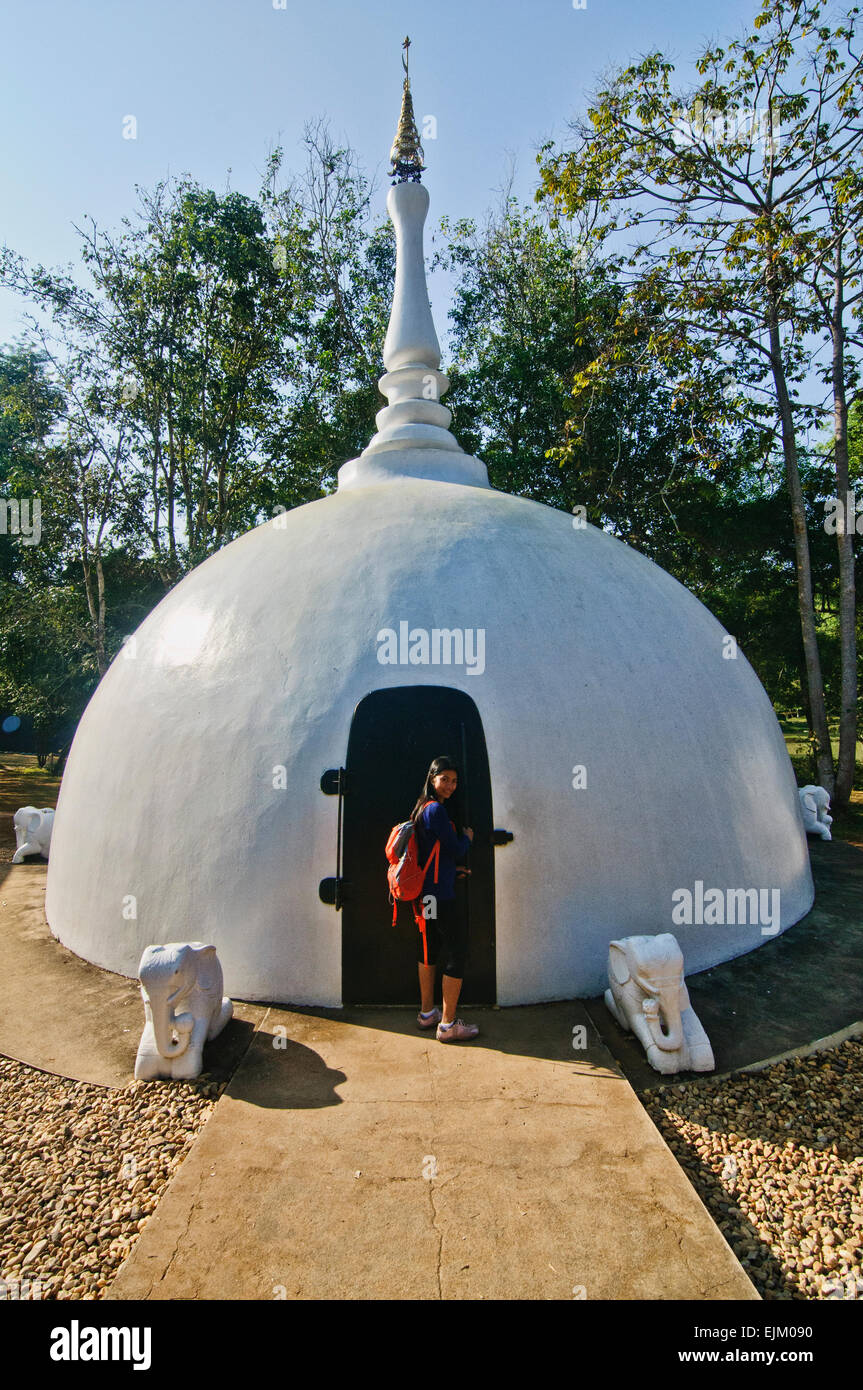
(354, 1157)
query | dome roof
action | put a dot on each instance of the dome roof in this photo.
(593, 657)
(630, 753)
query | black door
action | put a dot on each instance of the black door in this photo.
(395, 735)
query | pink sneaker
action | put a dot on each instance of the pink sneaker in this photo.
(459, 1031)
(433, 1019)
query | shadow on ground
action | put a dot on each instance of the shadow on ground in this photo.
(282, 1074)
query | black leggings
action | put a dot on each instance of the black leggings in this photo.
(444, 941)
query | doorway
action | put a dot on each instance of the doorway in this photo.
(395, 734)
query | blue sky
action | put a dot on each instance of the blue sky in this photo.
(213, 84)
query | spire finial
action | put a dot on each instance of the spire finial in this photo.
(406, 155)
(413, 439)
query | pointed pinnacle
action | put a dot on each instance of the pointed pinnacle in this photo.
(406, 155)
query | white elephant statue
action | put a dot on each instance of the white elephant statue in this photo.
(32, 831)
(648, 996)
(815, 803)
(181, 985)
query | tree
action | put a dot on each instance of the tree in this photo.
(42, 658)
(231, 344)
(30, 404)
(531, 311)
(349, 267)
(833, 279)
(218, 360)
(179, 342)
(723, 177)
(47, 673)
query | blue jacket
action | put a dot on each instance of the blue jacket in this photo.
(433, 823)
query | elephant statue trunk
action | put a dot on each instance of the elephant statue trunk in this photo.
(661, 1009)
(648, 996)
(166, 1023)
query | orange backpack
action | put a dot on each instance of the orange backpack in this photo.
(405, 874)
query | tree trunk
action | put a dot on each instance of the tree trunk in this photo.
(804, 688)
(814, 681)
(845, 542)
(101, 656)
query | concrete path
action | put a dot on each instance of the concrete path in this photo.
(353, 1157)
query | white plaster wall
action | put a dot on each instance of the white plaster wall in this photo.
(260, 656)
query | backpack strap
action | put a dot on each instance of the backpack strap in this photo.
(435, 854)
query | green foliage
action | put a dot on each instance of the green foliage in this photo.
(720, 207)
(46, 672)
(217, 359)
(30, 404)
(223, 358)
(531, 312)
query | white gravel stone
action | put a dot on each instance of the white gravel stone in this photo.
(795, 1134)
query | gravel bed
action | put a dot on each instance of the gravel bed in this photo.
(81, 1170)
(777, 1158)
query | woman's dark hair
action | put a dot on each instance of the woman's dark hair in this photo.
(428, 792)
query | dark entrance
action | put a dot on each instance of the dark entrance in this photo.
(394, 736)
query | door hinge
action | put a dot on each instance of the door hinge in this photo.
(331, 890)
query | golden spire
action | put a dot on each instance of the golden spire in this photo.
(406, 155)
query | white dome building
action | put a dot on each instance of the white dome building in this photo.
(597, 711)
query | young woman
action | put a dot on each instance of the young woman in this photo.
(443, 937)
